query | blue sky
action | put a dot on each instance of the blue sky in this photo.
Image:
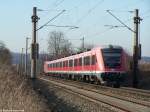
(89, 15)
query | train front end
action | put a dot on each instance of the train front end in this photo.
(114, 65)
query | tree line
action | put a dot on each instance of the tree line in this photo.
(5, 54)
(59, 46)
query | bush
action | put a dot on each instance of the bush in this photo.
(5, 55)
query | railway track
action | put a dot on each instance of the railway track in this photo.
(118, 102)
(147, 92)
(127, 93)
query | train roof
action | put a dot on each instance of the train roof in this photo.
(86, 52)
(111, 46)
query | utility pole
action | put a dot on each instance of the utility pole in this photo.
(136, 46)
(26, 57)
(137, 49)
(34, 46)
(21, 62)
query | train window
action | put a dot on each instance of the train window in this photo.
(93, 60)
(70, 63)
(87, 60)
(57, 64)
(80, 61)
(66, 63)
(75, 62)
(60, 64)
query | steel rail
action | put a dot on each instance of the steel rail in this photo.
(140, 102)
(89, 90)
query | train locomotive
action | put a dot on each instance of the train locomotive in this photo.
(104, 65)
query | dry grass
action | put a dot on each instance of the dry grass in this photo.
(17, 94)
(144, 66)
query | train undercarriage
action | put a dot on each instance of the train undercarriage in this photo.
(107, 79)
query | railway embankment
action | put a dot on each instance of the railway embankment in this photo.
(99, 98)
(19, 93)
(62, 100)
(143, 79)
(16, 94)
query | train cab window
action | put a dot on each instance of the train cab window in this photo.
(112, 57)
(93, 60)
(87, 60)
(70, 63)
(75, 62)
(80, 61)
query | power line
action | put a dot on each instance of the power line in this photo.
(59, 3)
(71, 27)
(90, 10)
(51, 20)
(43, 10)
(146, 17)
(122, 11)
(132, 4)
(148, 11)
(52, 9)
(120, 21)
(101, 33)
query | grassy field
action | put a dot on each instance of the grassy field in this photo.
(17, 94)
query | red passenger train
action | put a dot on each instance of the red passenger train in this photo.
(103, 65)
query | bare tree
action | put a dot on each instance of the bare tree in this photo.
(58, 46)
(5, 55)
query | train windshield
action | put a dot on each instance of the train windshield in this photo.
(112, 57)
